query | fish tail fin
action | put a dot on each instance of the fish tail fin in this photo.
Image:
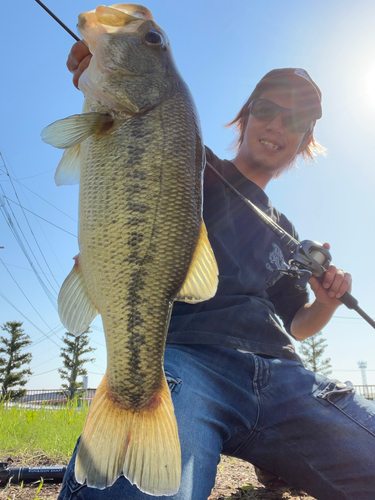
(144, 445)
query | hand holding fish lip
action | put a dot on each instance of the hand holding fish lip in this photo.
(78, 60)
(121, 15)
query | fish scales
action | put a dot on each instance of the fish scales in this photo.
(137, 152)
(145, 255)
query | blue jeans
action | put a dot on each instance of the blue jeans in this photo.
(313, 432)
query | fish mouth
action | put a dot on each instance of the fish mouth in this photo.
(137, 11)
(117, 16)
(108, 20)
(271, 145)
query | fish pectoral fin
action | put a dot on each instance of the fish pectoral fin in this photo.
(69, 169)
(143, 444)
(202, 278)
(71, 131)
(76, 310)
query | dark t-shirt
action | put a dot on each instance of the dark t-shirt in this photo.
(243, 313)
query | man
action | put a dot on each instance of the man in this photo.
(237, 385)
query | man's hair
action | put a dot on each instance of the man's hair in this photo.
(310, 146)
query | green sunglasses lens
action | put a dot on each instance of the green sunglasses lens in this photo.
(264, 110)
(295, 121)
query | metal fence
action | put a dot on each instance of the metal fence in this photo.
(368, 391)
(53, 398)
(57, 398)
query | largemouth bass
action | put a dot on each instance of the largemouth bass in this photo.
(137, 152)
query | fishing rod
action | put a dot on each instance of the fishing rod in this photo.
(58, 20)
(308, 258)
(30, 474)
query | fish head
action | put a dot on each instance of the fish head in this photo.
(132, 68)
(105, 19)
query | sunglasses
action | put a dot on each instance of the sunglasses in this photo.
(293, 119)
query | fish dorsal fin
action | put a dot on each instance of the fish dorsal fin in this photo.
(76, 309)
(71, 131)
(202, 278)
(69, 169)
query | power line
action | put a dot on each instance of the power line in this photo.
(42, 230)
(19, 267)
(36, 175)
(36, 194)
(36, 215)
(31, 230)
(10, 274)
(19, 241)
(42, 353)
(48, 337)
(19, 312)
(12, 226)
(37, 374)
(29, 226)
(46, 361)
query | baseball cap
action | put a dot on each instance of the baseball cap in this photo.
(310, 97)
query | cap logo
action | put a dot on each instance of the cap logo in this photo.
(302, 72)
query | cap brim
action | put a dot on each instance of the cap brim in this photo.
(306, 96)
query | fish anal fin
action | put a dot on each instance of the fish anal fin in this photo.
(76, 310)
(143, 444)
(71, 131)
(68, 170)
(202, 278)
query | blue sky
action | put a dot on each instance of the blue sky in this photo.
(222, 50)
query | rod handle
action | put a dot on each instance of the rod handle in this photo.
(352, 303)
(348, 300)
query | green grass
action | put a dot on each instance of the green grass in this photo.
(48, 431)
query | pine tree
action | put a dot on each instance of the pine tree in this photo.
(12, 376)
(73, 361)
(311, 351)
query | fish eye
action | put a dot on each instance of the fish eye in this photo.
(154, 38)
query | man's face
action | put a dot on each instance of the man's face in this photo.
(270, 146)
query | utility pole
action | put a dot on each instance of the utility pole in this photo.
(362, 365)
